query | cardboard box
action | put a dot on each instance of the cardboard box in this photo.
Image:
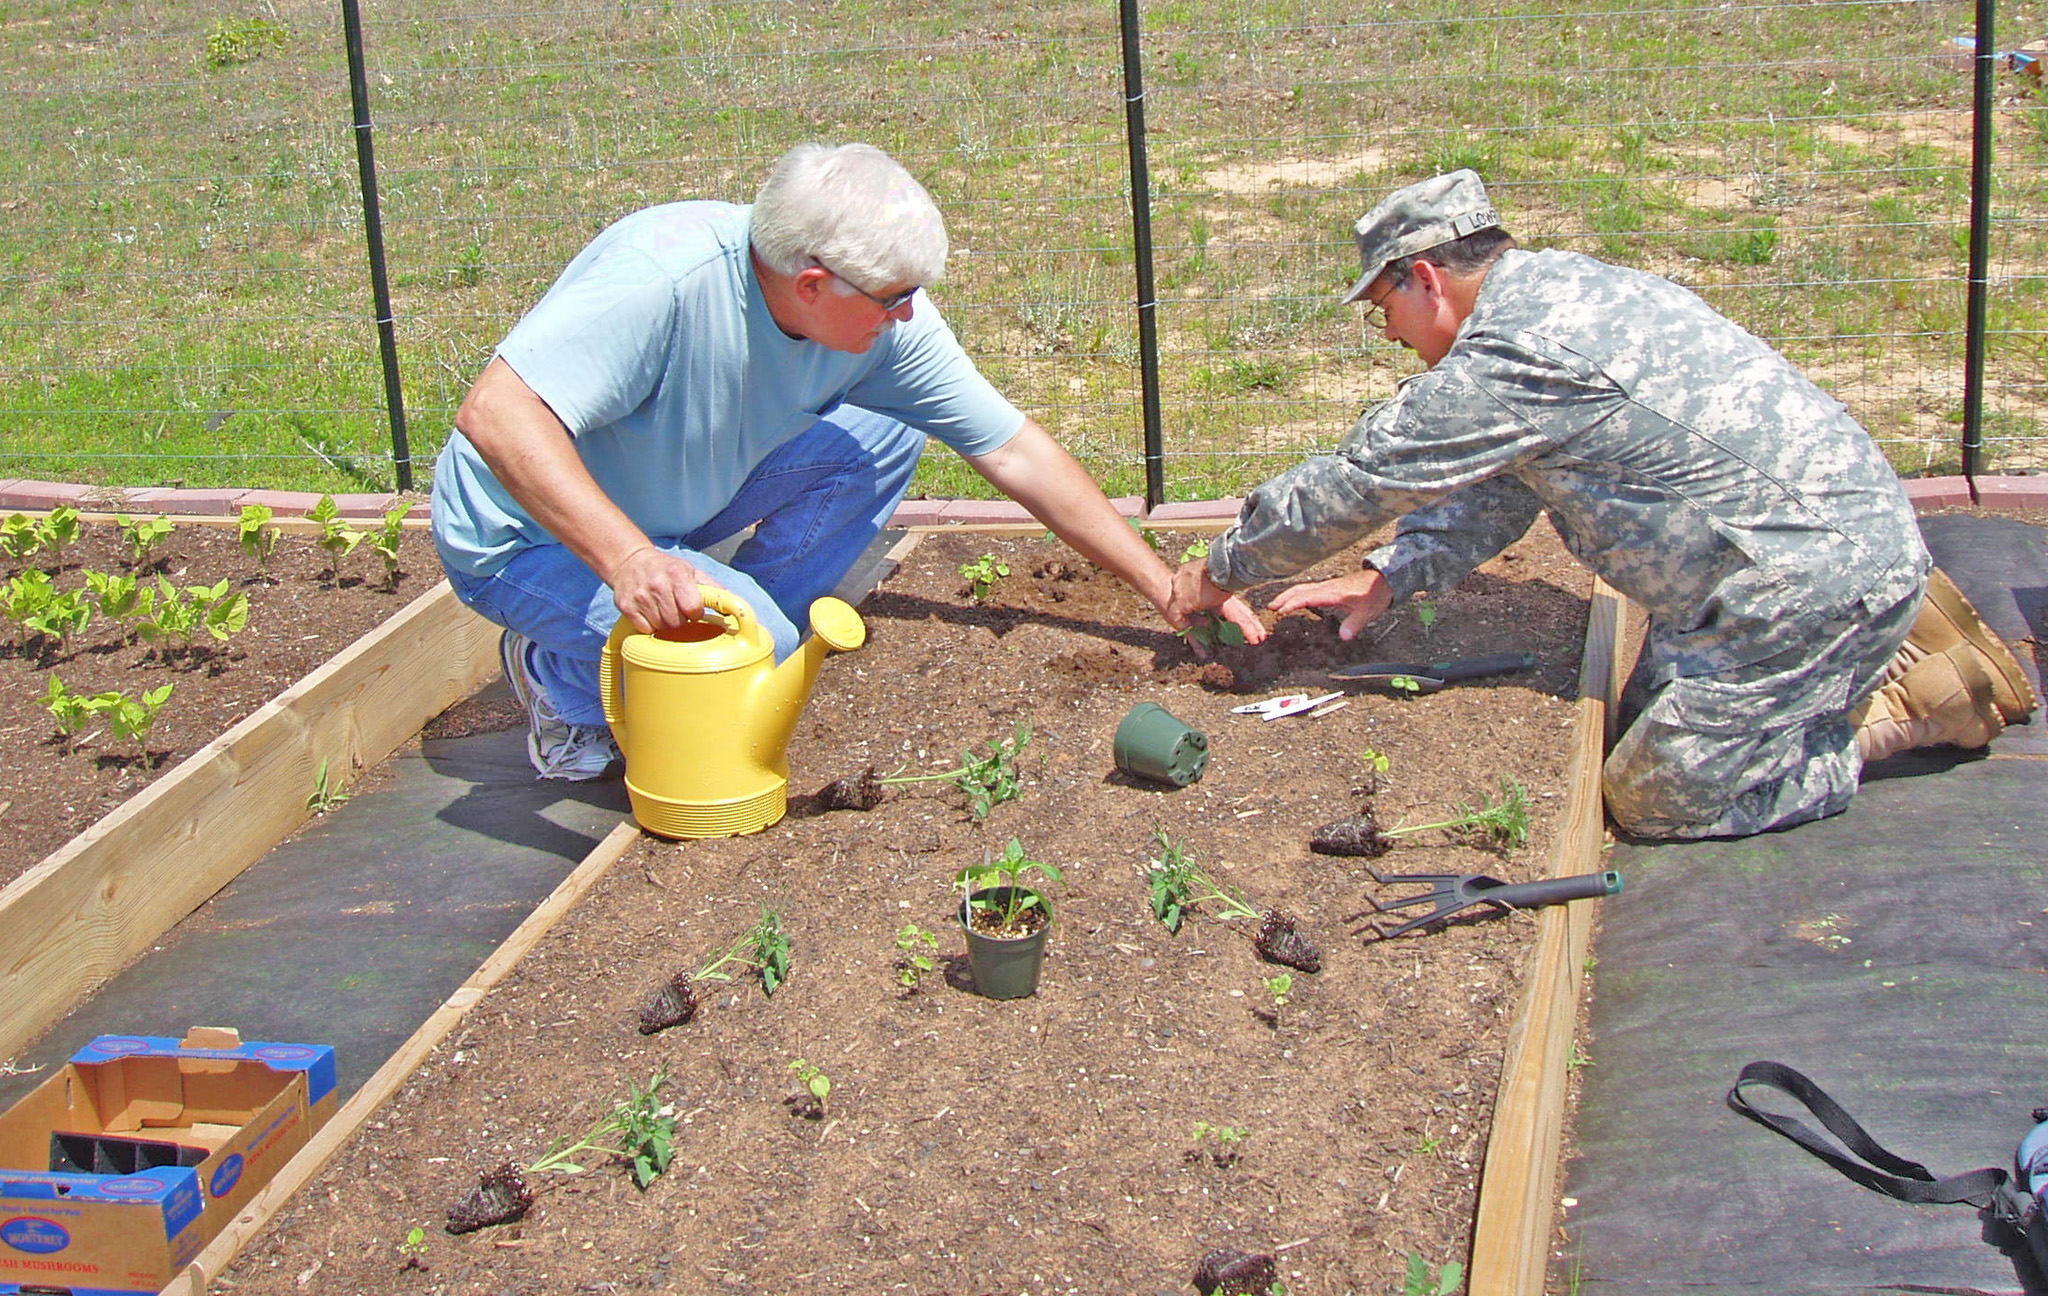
(116, 1170)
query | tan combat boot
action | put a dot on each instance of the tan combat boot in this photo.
(1949, 625)
(1944, 698)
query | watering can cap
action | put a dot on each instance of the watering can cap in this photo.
(834, 621)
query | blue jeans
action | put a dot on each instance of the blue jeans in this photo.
(815, 503)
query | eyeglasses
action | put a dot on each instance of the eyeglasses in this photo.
(1376, 308)
(889, 303)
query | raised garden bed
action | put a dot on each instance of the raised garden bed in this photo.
(1048, 1144)
(327, 671)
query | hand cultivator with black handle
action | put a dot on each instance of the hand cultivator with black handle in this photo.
(1451, 892)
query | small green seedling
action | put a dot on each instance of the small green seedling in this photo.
(60, 616)
(982, 574)
(987, 781)
(1420, 1280)
(385, 541)
(258, 537)
(1196, 549)
(814, 1080)
(414, 1248)
(337, 537)
(74, 711)
(640, 1130)
(1227, 1138)
(1279, 987)
(143, 536)
(1005, 873)
(1375, 762)
(20, 537)
(1426, 615)
(1212, 631)
(770, 949)
(1405, 685)
(1179, 886)
(325, 795)
(119, 597)
(27, 594)
(132, 718)
(916, 945)
(1151, 538)
(61, 528)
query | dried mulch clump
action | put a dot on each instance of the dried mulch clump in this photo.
(1357, 834)
(499, 1197)
(672, 1005)
(1227, 1272)
(1279, 940)
(864, 791)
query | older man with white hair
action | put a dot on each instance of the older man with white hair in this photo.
(705, 367)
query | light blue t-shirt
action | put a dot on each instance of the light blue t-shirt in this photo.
(656, 349)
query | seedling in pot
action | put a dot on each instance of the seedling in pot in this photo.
(639, 1131)
(1502, 824)
(916, 946)
(982, 574)
(986, 781)
(817, 1085)
(1008, 908)
(762, 948)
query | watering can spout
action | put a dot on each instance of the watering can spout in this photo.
(835, 627)
(704, 715)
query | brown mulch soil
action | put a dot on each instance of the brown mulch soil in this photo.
(52, 788)
(1043, 1145)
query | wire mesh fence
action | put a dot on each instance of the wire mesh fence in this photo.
(189, 300)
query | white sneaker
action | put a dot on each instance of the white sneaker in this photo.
(558, 749)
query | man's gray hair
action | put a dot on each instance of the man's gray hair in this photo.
(854, 209)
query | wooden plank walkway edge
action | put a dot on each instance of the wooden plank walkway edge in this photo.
(79, 915)
(1518, 1184)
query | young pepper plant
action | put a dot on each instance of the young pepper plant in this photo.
(1004, 875)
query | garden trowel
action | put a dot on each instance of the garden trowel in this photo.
(1428, 677)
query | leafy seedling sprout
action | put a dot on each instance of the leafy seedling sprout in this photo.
(1180, 886)
(999, 902)
(1279, 986)
(986, 781)
(638, 1131)
(143, 536)
(1196, 549)
(325, 795)
(1503, 824)
(1212, 631)
(1421, 1282)
(257, 536)
(816, 1083)
(982, 574)
(1227, 1138)
(762, 948)
(916, 946)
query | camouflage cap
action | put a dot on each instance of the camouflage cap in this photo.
(1426, 214)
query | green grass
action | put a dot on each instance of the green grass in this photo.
(185, 265)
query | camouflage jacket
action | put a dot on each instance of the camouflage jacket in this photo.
(1679, 457)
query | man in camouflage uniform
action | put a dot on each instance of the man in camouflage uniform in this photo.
(1681, 459)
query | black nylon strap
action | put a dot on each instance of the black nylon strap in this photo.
(1907, 1181)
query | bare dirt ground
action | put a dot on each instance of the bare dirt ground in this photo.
(1042, 1145)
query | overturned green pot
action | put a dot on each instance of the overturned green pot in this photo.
(1152, 744)
(1005, 967)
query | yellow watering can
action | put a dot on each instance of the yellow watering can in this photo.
(703, 714)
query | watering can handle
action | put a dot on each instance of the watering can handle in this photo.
(738, 617)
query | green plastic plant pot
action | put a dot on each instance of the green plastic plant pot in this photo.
(1005, 969)
(1152, 744)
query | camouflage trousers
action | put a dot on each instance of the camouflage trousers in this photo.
(1765, 746)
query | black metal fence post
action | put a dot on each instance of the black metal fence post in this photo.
(373, 231)
(1141, 246)
(1980, 251)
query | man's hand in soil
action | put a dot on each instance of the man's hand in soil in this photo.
(1363, 595)
(656, 591)
(1193, 593)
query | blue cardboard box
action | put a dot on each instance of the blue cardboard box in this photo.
(116, 1170)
